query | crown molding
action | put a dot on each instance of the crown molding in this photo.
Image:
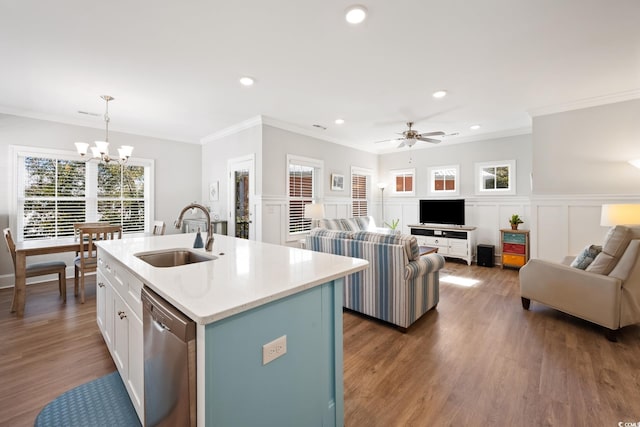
(586, 103)
(87, 123)
(233, 129)
(270, 121)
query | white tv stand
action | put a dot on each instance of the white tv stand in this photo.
(454, 241)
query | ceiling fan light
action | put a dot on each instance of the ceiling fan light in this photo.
(474, 127)
(439, 94)
(339, 121)
(356, 14)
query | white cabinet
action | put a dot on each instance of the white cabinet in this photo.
(454, 242)
(119, 317)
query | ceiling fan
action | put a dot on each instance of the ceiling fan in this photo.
(411, 136)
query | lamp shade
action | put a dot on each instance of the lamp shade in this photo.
(620, 215)
(314, 211)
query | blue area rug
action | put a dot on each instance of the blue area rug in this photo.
(101, 402)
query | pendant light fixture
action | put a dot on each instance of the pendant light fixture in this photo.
(101, 149)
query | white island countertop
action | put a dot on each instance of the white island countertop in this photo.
(247, 274)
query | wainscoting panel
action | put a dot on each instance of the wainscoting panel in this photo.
(274, 220)
(486, 219)
(559, 225)
(581, 228)
(563, 225)
(553, 242)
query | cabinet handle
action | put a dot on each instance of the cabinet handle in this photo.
(122, 314)
(101, 284)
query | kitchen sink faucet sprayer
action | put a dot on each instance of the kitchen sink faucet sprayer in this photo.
(209, 245)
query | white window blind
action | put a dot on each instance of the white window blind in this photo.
(359, 194)
(121, 196)
(301, 183)
(52, 197)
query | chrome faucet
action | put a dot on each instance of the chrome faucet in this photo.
(178, 223)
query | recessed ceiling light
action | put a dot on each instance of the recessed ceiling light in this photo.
(474, 127)
(246, 81)
(339, 121)
(439, 94)
(356, 14)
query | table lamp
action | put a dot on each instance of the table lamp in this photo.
(622, 214)
(314, 212)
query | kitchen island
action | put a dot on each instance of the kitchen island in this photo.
(251, 295)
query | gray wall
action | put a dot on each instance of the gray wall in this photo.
(586, 151)
(337, 158)
(580, 162)
(215, 156)
(465, 155)
(177, 165)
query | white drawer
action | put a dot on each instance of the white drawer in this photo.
(436, 241)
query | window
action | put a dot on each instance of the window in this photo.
(121, 196)
(303, 181)
(443, 180)
(360, 191)
(54, 191)
(403, 181)
(496, 177)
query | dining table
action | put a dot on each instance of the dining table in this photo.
(30, 248)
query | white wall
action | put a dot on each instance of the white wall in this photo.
(177, 168)
(487, 213)
(580, 161)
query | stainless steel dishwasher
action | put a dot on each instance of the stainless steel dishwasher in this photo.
(169, 363)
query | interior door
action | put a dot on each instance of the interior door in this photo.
(241, 195)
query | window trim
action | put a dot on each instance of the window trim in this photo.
(511, 190)
(433, 192)
(357, 170)
(18, 151)
(318, 166)
(395, 173)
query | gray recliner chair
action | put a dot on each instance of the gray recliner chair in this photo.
(606, 293)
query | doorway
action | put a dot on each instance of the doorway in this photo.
(241, 196)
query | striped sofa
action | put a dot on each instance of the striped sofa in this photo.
(358, 223)
(398, 287)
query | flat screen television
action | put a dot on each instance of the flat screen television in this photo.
(442, 211)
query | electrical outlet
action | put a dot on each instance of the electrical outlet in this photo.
(274, 349)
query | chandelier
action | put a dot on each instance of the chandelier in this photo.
(101, 149)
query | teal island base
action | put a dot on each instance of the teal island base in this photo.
(303, 387)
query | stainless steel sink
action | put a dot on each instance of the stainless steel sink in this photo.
(174, 257)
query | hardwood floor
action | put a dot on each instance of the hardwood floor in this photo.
(479, 359)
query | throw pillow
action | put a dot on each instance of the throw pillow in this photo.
(616, 240)
(586, 257)
(615, 243)
(603, 264)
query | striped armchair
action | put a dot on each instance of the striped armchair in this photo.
(398, 287)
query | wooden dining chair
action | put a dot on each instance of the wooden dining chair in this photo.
(158, 228)
(87, 260)
(39, 269)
